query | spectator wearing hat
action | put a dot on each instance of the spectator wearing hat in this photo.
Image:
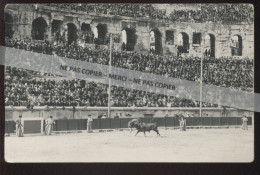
(49, 126)
(19, 127)
(188, 115)
(104, 116)
(116, 116)
(244, 123)
(89, 124)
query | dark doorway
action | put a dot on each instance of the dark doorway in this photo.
(87, 33)
(157, 41)
(236, 47)
(169, 37)
(130, 39)
(55, 28)
(39, 26)
(102, 32)
(196, 38)
(210, 45)
(8, 25)
(183, 43)
(85, 27)
(72, 33)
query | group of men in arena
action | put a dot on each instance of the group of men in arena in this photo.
(49, 123)
(48, 126)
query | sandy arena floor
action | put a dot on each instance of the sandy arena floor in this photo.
(196, 145)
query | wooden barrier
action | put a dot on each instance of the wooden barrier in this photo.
(215, 121)
(102, 124)
(249, 121)
(105, 123)
(82, 124)
(73, 124)
(10, 127)
(232, 120)
(115, 123)
(62, 125)
(124, 122)
(96, 124)
(169, 121)
(159, 121)
(206, 121)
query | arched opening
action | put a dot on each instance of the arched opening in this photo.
(183, 43)
(56, 26)
(128, 39)
(39, 26)
(124, 40)
(155, 41)
(8, 25)
(169, 39)
(100, 34)
(55, 29)
(236, 45)
(87, 33)
(85, 27)
(72, 33)
(209, 45)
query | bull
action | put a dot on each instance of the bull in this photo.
(143, 127)
(132, 123)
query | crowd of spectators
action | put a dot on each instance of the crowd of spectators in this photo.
(22, 87)
(29, 91)
(225, 13)
(129, 10)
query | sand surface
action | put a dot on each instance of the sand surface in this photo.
(194, 145)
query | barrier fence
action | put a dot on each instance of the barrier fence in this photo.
(81, 124)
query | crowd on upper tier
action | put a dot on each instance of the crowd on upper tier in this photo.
(231, 13)
(21, 87)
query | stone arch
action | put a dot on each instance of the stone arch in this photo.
(56, 26)
(128, 39)
(210, 45)
(183, 43)
(100, 33)
(156, 41)
(236, 45)
(8, 25)
(85, 27)
(87, 32)
(169, 37)
(72, 33)
(39, 27)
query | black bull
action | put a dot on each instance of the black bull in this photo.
(132, 123)
(143, 127)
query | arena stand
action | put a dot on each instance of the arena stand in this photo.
(225, 13)
(28, 88)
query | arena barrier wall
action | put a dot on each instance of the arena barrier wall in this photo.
(10, 127)
(32, 126)
(111, 123)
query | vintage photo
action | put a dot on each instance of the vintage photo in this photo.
(121, 82)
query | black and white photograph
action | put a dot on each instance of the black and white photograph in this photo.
(127, 82)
